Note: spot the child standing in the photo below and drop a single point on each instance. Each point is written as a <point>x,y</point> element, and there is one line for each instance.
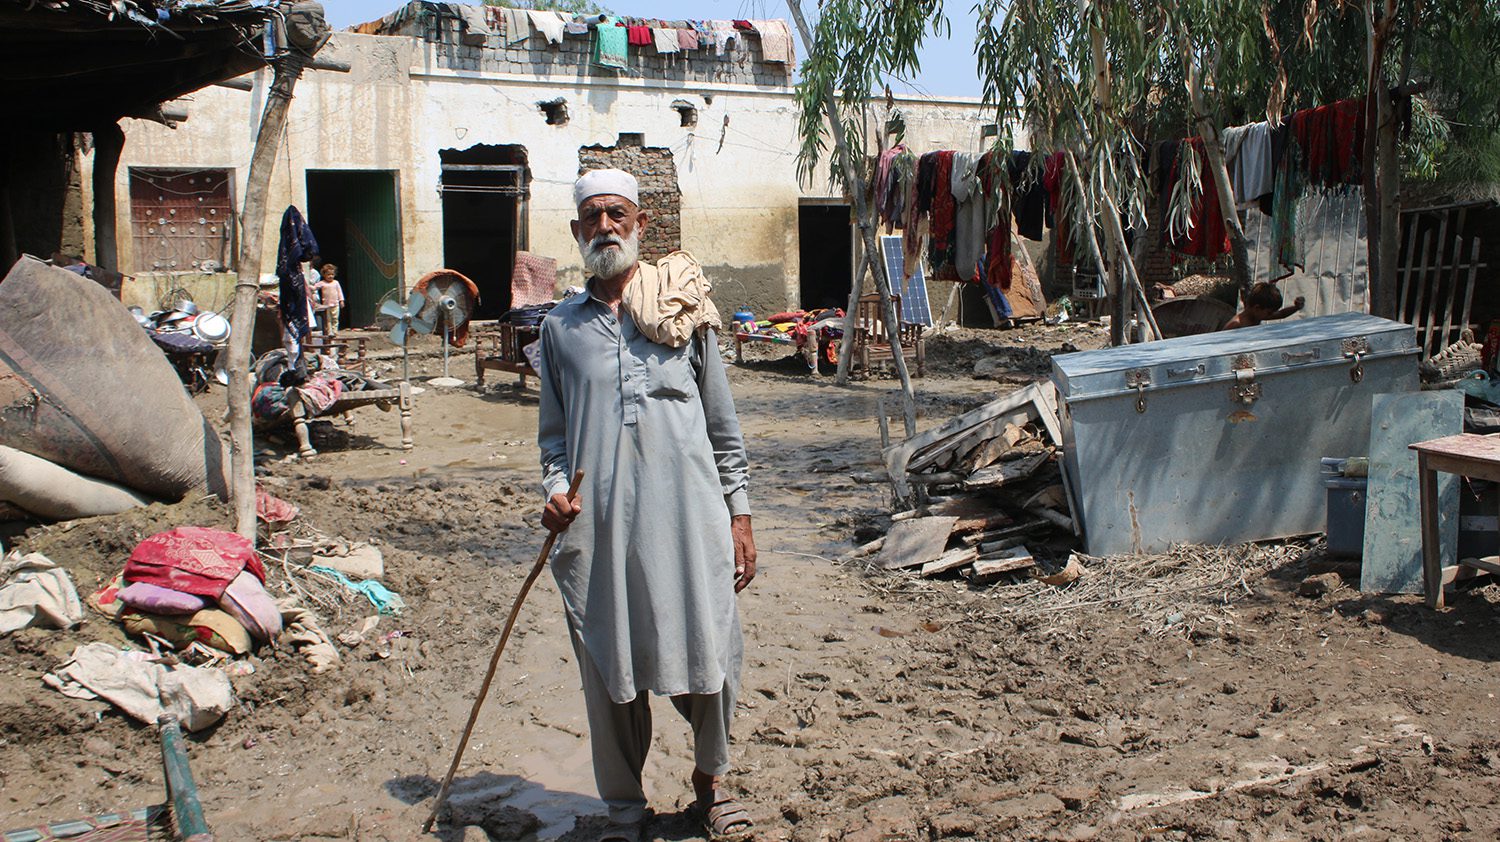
<point>330,298</point>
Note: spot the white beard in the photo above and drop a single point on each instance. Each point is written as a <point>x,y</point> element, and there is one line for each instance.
<point>600,261</point>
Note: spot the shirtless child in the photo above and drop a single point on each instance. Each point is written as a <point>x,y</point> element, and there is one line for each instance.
<point>1263,304</point>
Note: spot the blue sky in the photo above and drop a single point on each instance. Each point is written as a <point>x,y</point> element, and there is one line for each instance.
<point>948,67</point>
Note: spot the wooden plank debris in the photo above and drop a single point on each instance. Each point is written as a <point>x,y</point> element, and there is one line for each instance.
<point>1032,403</point>
<point>913,542</point>
<point>1008,561</point>
<point>1008,472</point>
<point>951,560</point>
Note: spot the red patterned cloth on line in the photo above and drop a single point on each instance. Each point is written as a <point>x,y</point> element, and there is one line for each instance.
<point>194,560</point>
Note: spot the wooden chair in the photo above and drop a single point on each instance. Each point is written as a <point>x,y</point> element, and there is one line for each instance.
<point>872,345</point>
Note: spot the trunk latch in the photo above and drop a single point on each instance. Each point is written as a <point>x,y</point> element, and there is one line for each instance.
<point>1245,390</point>
<point>1355,348</point>
<point>1138,379</point>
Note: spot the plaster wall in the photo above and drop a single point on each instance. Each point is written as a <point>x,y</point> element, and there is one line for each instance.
<point>400,105</point>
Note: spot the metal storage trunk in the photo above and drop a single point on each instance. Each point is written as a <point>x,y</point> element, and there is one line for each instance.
<point>1216,438</point>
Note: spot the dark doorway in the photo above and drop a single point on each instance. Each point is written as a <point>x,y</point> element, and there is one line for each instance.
<point>825,254</point>
<point>353,215</point>
<point>485,189</point>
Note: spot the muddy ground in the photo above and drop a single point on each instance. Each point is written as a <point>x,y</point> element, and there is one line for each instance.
<point>874,706</point>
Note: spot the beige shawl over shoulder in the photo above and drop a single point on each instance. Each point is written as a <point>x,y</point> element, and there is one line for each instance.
<point>669,301</point>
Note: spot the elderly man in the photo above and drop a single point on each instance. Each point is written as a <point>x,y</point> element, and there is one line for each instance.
<point>659,541</point>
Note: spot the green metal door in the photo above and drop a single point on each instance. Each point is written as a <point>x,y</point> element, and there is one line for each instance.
<point>354,215</point>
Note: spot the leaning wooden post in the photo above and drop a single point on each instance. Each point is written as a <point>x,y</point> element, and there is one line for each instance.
<point>109,142</point>
<point>287,69</point>
<point>854,183</point>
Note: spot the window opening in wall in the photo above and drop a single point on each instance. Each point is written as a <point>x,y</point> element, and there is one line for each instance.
<point>181,220</point>
<point>687,111</point>
<point>825,253</point>
<point>556,111</point>
<point>631,139</point>
<point>356,218</point>
<point>486,190</point>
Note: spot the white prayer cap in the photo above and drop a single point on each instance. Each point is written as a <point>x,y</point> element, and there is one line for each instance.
<point>606,183</point>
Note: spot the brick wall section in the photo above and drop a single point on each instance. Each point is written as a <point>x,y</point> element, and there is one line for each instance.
<point>743,65</point>
<point>654,168</point>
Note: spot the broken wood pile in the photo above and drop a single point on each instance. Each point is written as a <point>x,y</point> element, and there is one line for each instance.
<point>981,487</point>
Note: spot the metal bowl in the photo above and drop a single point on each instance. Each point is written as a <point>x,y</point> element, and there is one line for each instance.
<point>211,327</point>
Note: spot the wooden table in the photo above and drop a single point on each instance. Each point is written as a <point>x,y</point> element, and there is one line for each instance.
<point>1466,455</point>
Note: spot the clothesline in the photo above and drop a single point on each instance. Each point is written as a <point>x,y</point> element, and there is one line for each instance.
<point>1270,166</point>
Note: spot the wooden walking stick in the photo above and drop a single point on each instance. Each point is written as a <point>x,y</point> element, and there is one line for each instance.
<point>484,689</point>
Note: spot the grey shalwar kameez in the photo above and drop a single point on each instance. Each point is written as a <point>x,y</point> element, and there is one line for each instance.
<point>647,570</point>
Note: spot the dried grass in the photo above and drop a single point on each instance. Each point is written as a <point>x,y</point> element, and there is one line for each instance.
<point>1186,589</point>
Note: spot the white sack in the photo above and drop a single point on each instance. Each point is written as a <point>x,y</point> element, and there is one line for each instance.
<point>198,696</point>
<point>37,593</point>
<point>50,491</point>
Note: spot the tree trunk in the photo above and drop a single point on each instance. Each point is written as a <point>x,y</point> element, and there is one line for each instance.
<point>1218,168</point>
<point>1381,175</point>
<point>109,142</point>
<point>851,314</point>
<point>252,233</point>
<point>854,184</point>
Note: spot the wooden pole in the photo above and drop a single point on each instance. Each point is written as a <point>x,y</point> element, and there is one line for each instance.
<point>489,676</point>
<point>287,69</point>
<point>109,142</point>
<point>854,183</point>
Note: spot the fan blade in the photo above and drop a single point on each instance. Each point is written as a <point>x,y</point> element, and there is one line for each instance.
<point>415,302</point>
<point>392,309</point>
<point>398,333</point>
<point>423,326</point>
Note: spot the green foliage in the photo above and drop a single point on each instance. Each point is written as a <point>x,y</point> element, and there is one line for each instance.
<point>857,45</point>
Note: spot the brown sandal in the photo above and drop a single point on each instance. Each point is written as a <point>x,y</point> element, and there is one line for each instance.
<point>726,820</point>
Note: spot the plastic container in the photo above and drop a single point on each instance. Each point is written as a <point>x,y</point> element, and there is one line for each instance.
<point>1346,515</point>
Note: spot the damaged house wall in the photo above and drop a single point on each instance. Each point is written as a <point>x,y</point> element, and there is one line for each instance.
<point>728,130</point>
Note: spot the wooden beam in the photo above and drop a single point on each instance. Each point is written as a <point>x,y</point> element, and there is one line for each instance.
<point>109,142</point>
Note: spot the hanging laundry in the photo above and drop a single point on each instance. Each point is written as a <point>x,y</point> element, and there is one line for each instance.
<point>575,27</point>
<point>550,24</point>
<point>943,211</point>
<point>775,41</point>
<point>995,181</point>
<point>885,183</point>
<point>1289,181</point>
<point>912,216</point>
<point>723,35</point>
<point>1332,139</point>
<point>610,45</point>
<point>517,25</point>
<point>297,246</point>
<point>687,39</point>
<point>1247,153</point>
<point>665,40</point>
<point>476,25</point>
<point>638,36</point>
<point>1207,236</point>
<point>970,216</point>
<point>1028,196</point>
<point>1054,170</point>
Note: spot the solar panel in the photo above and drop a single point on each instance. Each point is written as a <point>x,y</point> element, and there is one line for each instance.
<point>913,290</point>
